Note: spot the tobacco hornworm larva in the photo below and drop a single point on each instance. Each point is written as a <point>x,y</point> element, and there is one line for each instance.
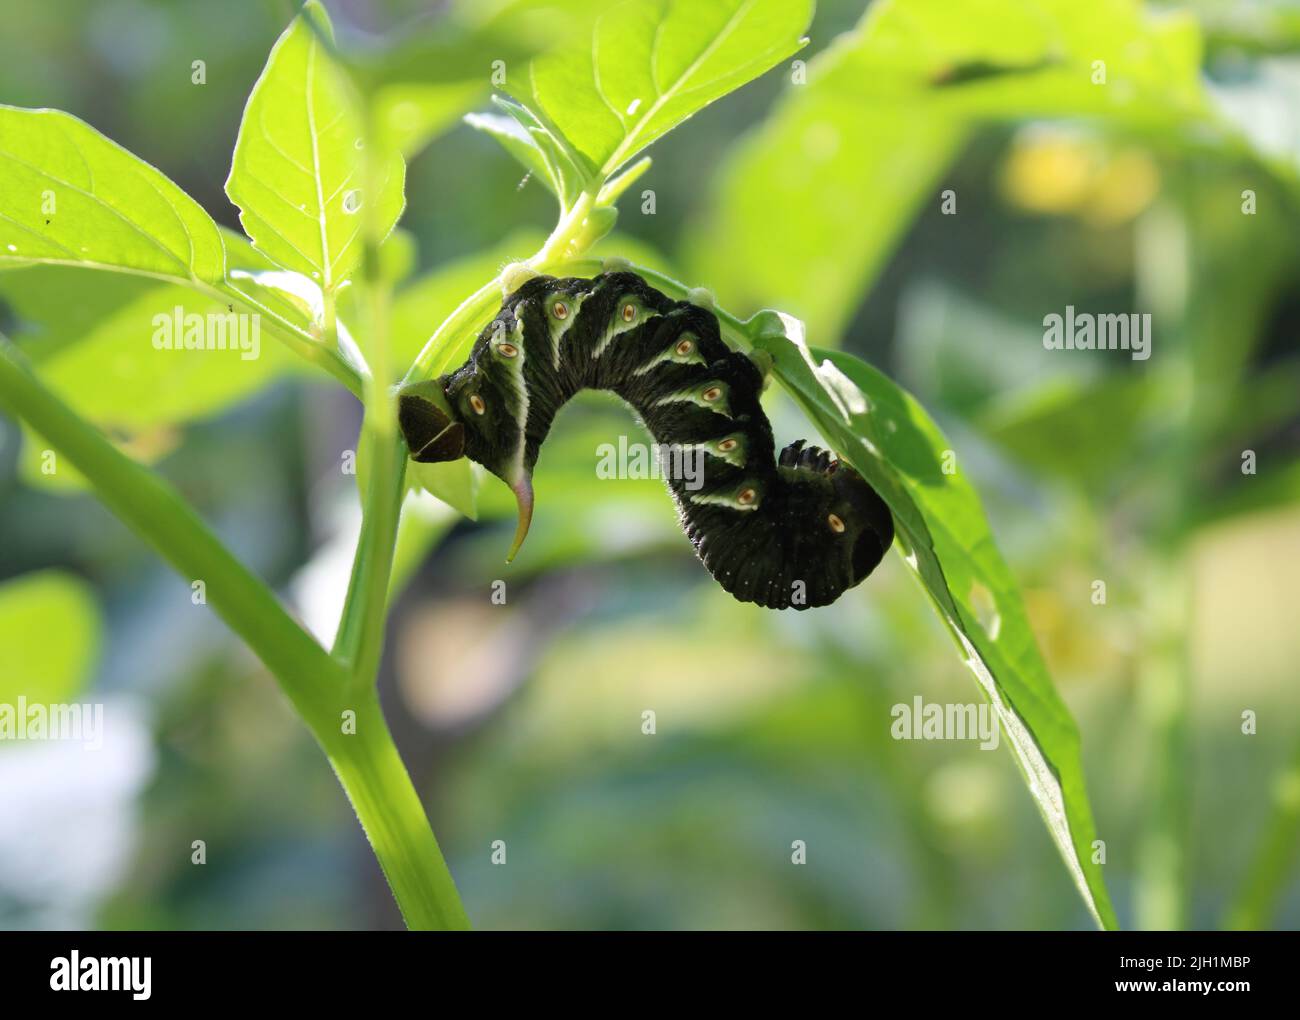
<point>794,530</point>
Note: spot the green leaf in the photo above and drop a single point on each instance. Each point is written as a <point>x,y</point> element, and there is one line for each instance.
<point>296,171</point>
<point>454,482</point>
<point>947,543</point>
<point>886,109</point>
<point>293,302</point>
<point>648,65</point>
<point>69,196</point>
<point>98,354</point>
<point>1031,58</point>
<point>49,637</point>
<point>118,365</point>
<point>564,171</point>
<point>516,140</point>
<point>461,40</point>
<point>775,233</point>
<point>521,136</point>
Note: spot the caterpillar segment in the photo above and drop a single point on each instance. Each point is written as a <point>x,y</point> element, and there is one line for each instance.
<point>790,530</point>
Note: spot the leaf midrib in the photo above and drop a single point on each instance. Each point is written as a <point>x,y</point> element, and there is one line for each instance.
<point>327,266</point>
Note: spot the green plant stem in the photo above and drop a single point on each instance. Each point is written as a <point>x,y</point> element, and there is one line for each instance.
<point>155,511</point>
<point>381,792</point>
<point>320,687</point>
<point>564,240</point>
<point>1164,693</point>
<point>359,642</point>
<point>366,760</point>
<point>302,344</point>
<point>563,249</point>
<point>360,639</point>
<point>388,807</point>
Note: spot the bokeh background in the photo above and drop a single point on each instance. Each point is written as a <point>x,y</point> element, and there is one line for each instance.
<point>523,722</point>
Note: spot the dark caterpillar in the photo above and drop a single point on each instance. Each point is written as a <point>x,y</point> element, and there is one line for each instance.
<point>794,530</point>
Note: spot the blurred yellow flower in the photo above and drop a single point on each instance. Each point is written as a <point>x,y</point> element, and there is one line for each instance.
<point>1063,174</point>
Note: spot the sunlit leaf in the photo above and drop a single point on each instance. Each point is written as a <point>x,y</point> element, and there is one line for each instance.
<point>529,143</point>
<point>811,205</point>
<point>70,196</point>
<point>947,542</point>
<point>126,366</point>
<point>117,355</point>
<point>442,65</point>
<point>454,482</point>
<point>1032,59</point>
<point>648,65</point>
<point>296,174</point>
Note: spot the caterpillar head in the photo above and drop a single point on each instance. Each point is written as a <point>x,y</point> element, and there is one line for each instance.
<point>478,413</point>
<point>433,434</point>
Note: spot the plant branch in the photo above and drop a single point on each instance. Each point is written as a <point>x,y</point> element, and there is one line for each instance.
<point>355,736</point>
<point>386,802</point>
<point>365,760</point>
<point>155,511</point>
<point>359,643</point>
<point>566,233</point>
<point>360,639</point>
<point>301,343</point>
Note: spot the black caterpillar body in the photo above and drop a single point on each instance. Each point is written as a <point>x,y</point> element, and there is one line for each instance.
<point>794,530</point>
